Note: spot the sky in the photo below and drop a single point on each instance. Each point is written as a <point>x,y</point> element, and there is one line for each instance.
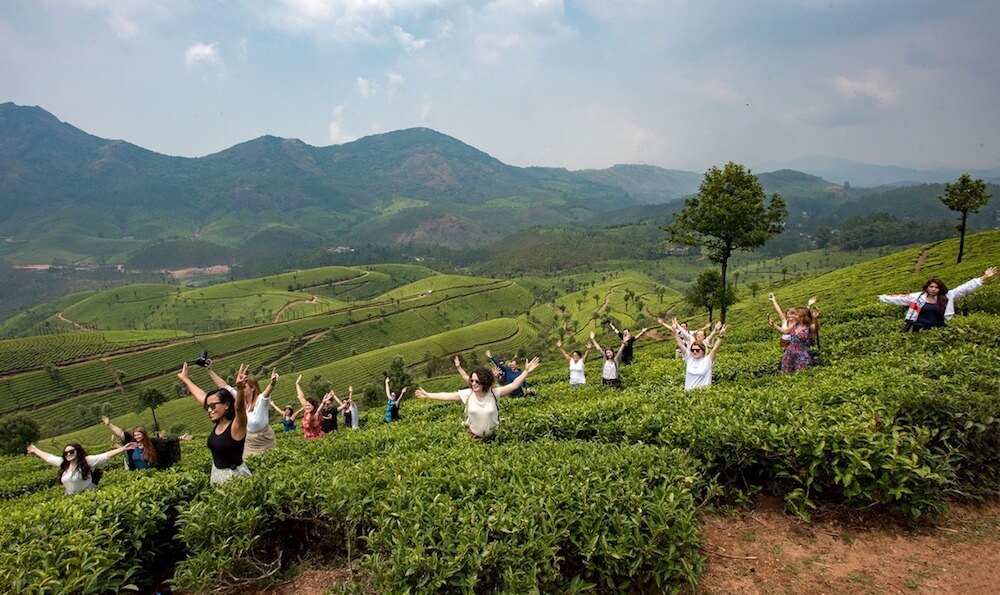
<point>565,83</point>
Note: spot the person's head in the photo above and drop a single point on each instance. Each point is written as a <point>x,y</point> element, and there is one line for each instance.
<point>699,335</point>
<point>576,355</point>
<point>609,354</point>
<point>289,411</point>
<point>393,396</point>
<point>73,454</point>
<point>802,316</point>
<point>626,334</point>
<point>512,364</point>
<point>220,405</point>
<point>312,405</point>
<point>698,350</point>
<point>937,288</point>
<point>250,389</point>
<point>684,325</point>
<point>140,435</point>
<point>789,313</point>
<point>481,380</point>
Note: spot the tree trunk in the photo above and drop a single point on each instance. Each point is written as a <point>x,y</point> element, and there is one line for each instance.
<point>156,424</point>
<point>710,315</point>
<point>961,237</point>
<point>722,308</point>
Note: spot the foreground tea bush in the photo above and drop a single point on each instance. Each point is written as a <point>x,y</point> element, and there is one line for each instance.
<point>552,516</point>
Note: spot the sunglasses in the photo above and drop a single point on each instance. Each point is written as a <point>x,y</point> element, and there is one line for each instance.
<point>697,351</point>
<point>474,380</point>
<point>212,406</point>
<point>70,451</point>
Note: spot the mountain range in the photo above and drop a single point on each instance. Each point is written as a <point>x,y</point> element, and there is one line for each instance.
<point>66,195</point>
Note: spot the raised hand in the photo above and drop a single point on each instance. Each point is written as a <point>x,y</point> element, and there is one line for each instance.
<point>131,446</point>
<point>531,365</point>
<point>183,374</point>
<point>489,354</point>
<point>723,329</point>
<point>989,274</point>
<point>298,381</point>
<point>770,296</point>
<point>420,393</point>
<point>274,376</point>
<point>458,361</point>
<point>812,301</point>
<point>105,420</point>
<point>241,375</point>
<point>185,437</point>
<point>559,341</point>
<point>593,335</point>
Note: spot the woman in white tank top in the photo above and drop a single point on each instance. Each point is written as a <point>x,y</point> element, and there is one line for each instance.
<point>577,361</point>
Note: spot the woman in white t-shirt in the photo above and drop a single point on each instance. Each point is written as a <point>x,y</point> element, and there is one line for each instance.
<point>698,358</point>
<point>481,399</point>
<point>577,361</point>
<point>76,468</point>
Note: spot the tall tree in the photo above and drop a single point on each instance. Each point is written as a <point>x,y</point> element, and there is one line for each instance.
<point>151,398</point>
<point>706,292</point>
<point>966,196</point>
<point>728,214</point>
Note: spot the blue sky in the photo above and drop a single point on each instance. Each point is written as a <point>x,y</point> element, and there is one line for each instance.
<point>570,83</point>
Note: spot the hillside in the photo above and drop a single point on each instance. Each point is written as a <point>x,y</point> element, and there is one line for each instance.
<point>582,488</point>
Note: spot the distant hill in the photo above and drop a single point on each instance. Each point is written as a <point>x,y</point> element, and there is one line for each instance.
<point>66,194</point>
<point>869,175</point>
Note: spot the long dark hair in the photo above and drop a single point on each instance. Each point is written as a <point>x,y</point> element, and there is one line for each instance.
<point>148,450</point>
<point>224,397</point>
<point>942,296</point>
<point>81,462</point>
<point>485,377</point>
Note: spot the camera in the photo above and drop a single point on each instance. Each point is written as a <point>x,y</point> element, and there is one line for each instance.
<point>203,360</point>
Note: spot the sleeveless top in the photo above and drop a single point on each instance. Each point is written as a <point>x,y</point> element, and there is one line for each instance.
<point>288,423</point>
<point>576,375</point>
<point>227,452</point>
<point>312,426</point>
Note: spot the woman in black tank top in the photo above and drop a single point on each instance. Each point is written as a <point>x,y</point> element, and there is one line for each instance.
<point>228,413</point>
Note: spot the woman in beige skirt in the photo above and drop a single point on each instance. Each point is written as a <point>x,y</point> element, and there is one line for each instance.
<point>260,436</point>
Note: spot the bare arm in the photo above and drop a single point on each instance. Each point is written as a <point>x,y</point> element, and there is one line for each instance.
<point>781,328</point>
<point>114,429</point>
<point>640,333</point>
<point>238,427</point>
<point>461,371</point>
<point>399,399</point>
<point>563,351</point>
<point>193,388</point>
<point>597,346</point>
<point>219,381</point>
<point>715,348</point>
<point>422,394</point>
<point>48,457</point>
<point>276,408</point>
<point>674,329</point>
<point>266,393</point>
<point>506,389</point>
<point>299,393</point>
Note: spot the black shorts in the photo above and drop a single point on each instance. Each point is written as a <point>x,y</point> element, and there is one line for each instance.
<point>612,382</point>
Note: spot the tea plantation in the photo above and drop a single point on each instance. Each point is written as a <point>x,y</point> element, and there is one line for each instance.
<point>582,489</point>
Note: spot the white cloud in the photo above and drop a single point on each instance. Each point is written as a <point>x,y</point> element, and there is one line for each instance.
<point>872,83</point>
<point>336,129</point>
<point>409,42</point>
<point>394,82</point>
<point>425,113</point>
<point>342,20</point>
<point>366,87</point>
<point>202,53</point>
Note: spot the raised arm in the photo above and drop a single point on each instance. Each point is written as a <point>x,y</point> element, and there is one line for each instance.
<point>219,381</point>
<point>266,393</point>
<point>238,427</point>
<point>513,385</point>
<point>193,388</point>
<point>715,331</point>
<point>422,394</point>
<point>461,371</point>
<point>299,393</point>
<point>781,328</point>
<point>593,339</point>
<point>618,354</point>
<point>715,348</point>
<point>898,299</point>
<point>114,429</point>
<point>276,408</point>
<point>614,328</point>
<point>98,460</point>
<point>641,333</point>
<point>777,308</point>
<point>973,284</point>
<point>48,457</point>
<point>675,331</point>
<point>399,397</point>
<point>563,351</point>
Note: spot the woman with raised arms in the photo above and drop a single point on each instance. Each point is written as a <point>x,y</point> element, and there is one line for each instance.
<point>612,358</point>
<point>260,436</point>
<point>312,418</point>
<point>577,362</point>
<point>76,467</point>
<point>152,452</point>
<point>934,305</point>
<point>481,399</point>
<point>698,358</point>
<point>228,412</point>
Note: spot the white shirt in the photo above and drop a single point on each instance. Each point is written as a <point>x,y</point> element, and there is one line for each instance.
<point>481,416</point>
<point>73,479</point>
<point>576,375</point>
<point>610,371</point>
<point>257,418</point>
<point>699,371</point>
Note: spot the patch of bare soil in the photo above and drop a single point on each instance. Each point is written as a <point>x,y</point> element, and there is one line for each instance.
<point>768,551</point>
<point>317,581</point>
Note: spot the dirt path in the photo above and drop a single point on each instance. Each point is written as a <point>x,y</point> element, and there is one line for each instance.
<point>76,324</point>
<point>771,552</point>
<point>277,317</point>
<point>920,261</point>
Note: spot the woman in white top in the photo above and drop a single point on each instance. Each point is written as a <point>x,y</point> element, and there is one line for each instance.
<point>934,305</point>
<point>612,359</point>
<point>260,436</point>
<point>76,468</point>
<point>481,399</point>
<point>349,408</point>
<point>577,361</point>
<point>698,358</point>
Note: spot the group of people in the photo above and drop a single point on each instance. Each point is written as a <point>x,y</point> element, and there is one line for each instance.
<point>240,414</point>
